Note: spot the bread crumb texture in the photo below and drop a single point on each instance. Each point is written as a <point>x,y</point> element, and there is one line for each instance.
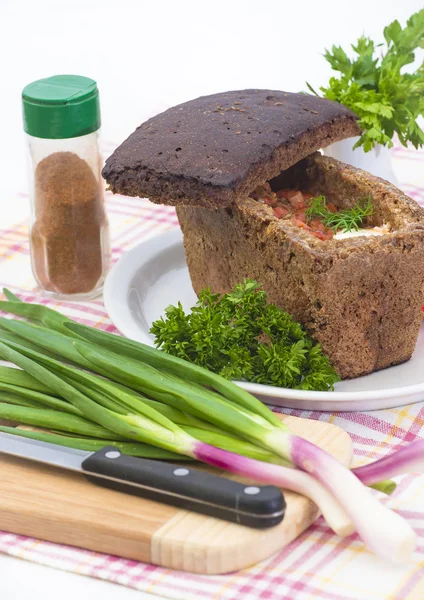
<point>216,149</point>
<point>359,297</point>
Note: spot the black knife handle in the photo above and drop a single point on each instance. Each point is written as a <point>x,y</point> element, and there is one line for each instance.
<point>188,488</point>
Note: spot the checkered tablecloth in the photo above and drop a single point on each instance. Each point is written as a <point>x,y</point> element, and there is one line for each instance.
<point>316,565</point>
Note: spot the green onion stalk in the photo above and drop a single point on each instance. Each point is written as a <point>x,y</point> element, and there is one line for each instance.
<point>158,430</point>
<point>91,445</point>
<point>109,395</point>
<point>153,428</point>
<point>339,481</point>
<point>372,474</point>
<point>225,406</point>
<point>410,458</point>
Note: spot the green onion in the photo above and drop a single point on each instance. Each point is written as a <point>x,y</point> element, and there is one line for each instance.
<point>381,529</point>
<point>142,352</point>
<point>53,419</point>
<point>387,486</point>
<point>129,448</point>
<point>11,296</point>
<point>116,397</point>
<point>51,343</point>
<point>129,348</point>
<point>123,346</point>
<point>21,379</point>
<point>170,437</point>
<point>410,459</point>
<point>36,399</point>
<point>150,381</point>
<point>340,482</point>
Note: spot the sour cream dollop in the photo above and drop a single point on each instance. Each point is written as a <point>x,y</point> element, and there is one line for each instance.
<point>383,230</point>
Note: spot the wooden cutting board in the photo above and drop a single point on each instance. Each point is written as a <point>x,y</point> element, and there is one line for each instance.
<point>54,505</point>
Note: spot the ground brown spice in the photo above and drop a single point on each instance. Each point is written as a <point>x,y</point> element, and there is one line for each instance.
<point>70,221</point>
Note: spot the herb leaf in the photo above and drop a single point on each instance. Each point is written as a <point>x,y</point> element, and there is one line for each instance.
<point>345,220</point>
<point>375,85</point>
<point>240,336</point>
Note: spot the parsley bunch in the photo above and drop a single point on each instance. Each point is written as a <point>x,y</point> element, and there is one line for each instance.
<point>376,86</point>
<point>345,220</point>
<point>240,336</point>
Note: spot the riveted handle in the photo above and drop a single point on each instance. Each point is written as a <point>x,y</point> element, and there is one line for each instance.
<point>187,487</point>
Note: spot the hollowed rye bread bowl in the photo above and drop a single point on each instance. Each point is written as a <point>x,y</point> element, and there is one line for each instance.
<point>361,297</point>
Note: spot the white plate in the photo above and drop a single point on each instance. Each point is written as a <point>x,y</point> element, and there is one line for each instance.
<point>154,274</point>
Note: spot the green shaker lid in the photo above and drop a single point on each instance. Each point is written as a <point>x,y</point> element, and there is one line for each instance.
<point>62,106</point>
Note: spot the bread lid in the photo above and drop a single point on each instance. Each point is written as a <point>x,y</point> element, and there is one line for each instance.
<point>216,149</point>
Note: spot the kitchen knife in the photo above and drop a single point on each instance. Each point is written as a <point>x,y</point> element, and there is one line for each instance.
<point>182,486</point>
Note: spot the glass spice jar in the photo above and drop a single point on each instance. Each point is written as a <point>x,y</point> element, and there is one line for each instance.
<point>69,232</point>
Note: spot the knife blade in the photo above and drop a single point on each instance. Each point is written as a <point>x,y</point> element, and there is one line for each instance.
<point>183,486</point>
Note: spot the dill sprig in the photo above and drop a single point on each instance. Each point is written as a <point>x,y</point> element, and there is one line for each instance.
<point>345,220</point>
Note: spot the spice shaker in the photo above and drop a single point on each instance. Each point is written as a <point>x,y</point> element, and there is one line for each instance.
<point>69,233</point>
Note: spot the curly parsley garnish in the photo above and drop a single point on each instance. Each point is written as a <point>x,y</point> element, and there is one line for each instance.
<point>240,336</point>
<point>345,220</point>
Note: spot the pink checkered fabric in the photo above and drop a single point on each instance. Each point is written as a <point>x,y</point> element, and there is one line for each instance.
<point>318,564</point>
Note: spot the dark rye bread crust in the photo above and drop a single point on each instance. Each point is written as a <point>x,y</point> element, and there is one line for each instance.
<point>360,297</point>
<point>216,149</point>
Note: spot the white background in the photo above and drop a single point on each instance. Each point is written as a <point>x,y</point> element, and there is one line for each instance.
<point>147,56</point>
